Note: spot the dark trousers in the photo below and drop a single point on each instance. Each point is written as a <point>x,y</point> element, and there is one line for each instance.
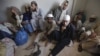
<point>59,46</point>
<point>78,34</point>
<point>55,35</point>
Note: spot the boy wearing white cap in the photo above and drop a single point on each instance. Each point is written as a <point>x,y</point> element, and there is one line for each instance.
<point>50,24</point>
<point>63,37</point>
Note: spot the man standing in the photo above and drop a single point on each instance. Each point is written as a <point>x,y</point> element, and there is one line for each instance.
<point>50,24</point>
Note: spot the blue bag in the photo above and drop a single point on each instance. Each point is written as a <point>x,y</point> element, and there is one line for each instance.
<point>21,37</point>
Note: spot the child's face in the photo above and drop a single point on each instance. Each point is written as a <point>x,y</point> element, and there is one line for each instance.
<point>79,17</point>
<point>65,23</point>
<point>65,6</point>
<point>27,9</point>
<point>49,20</point>
<point>13,11</point>
<point>33,7</point>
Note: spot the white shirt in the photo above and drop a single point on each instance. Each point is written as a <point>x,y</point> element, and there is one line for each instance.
<point>62,16</point>
<point>79,24</point>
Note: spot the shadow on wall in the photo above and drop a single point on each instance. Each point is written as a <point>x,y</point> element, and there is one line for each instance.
<point>55,5</point>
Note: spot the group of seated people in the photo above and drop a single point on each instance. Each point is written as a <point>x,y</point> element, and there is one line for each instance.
<point>57,25</point>
<point>32,21</point>
<point>87,31</point>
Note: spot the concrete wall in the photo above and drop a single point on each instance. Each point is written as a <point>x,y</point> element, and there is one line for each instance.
<point>79,4</point>
<point>45,5</point>
<point>93,7</point>
<point>90,7</point>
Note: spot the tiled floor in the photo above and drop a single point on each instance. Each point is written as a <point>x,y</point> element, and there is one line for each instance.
<point>67,51</point>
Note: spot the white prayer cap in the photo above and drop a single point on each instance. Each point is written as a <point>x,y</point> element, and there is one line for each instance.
<point>88,33</point>
<point>93,16</point>
<point>67,17</point>
<point>83,28</point>
<point>50,15</point>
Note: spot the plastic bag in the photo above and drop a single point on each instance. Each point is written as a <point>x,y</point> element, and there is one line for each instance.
<point>10,46</point>
<point>21,37</point>
<point>2,49</point>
